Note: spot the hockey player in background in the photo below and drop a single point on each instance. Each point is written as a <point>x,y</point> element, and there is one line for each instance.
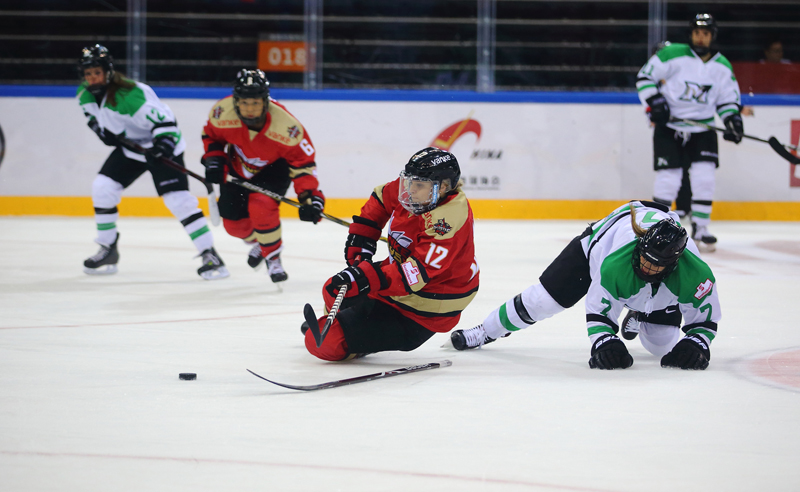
<point>115,106</point>
<point>429,277</point>
<point>690,81</point>
<point>254,138</point>
<point>637,257</point>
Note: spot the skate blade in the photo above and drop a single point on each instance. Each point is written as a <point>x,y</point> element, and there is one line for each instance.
<point>216,274</point>
<point>102,270</point>
<point>448,344</point>
<point>705,247</point>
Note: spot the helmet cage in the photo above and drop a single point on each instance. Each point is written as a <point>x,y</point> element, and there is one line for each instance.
<point>411,196</point>
<point>251,84</point>
<point>662,245</point>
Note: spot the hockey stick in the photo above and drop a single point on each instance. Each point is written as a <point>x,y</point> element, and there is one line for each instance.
<point>311,318</point>
<point>361,379</point>
<point>213,209</point>
<point>2,146</point>
<point>280,198</point>
<point>780,148</point>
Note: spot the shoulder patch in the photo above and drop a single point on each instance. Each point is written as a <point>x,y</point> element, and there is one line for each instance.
<point>222,115</point>
<point>284,127</point>
<point>672,51</point>
<point>444,221</point>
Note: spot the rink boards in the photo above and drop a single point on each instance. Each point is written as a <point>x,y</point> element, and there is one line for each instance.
<point>527,155</point>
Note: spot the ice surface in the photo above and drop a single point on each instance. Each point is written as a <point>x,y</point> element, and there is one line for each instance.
<point>90,398</point>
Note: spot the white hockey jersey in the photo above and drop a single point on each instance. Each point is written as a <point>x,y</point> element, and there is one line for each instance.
<point>138,114</point>
<point>694,89</point>
<point>609,248</point>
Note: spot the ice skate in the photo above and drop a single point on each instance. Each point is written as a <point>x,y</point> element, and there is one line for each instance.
<point>275,269</point>
<point>213,267</point>
<point>703,239</point>
<point>630,325</point>
<point>469,339</point>
<point>104,262</point>
<point>254,258</point>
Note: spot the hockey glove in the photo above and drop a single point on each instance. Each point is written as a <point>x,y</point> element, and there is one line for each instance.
<point>608,352</point>
<point>312,203</point>
<point>734,128</point>
<point>215,167</point>
<point>108,138</point>
<point>163,147</point>
<point>362,242</point>
<point>691,352</point>
<point>360,279</point>
<point>659,109</point>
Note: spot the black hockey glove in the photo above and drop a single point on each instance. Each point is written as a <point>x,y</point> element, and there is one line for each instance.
<point>691,352</point>
<point>358,279</point>
<point>215,168</point>
<point>362,242</point>
<point>608,352</point>
<point>108,138</point>
<point>734,128</point>
<point>659,109</point>
<point>163,146</point>
<point>312,203</point>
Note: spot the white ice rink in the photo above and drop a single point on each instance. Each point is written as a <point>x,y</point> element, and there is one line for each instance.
<point>90,398</point>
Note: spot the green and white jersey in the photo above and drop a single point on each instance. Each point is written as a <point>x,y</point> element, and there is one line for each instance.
<point>691,286</point>
<point>138,115</point>
<point>694,89</point>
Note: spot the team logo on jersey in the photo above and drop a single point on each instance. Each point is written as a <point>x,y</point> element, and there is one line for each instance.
<point>703,289</point>
<point>441,227</point>
<point>250,165</point>
<point>399,246</point>
<point>217,112</point>
<point>695,92</point>
<point>293,131</point>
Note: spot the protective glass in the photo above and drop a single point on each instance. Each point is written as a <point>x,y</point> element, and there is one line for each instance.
<point>418,195</point>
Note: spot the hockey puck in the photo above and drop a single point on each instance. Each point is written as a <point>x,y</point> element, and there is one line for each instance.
<point>187,376</point>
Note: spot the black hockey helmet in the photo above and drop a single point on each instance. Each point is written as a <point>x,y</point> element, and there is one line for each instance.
<point>704,21</point>
<point>661,245</point>
<point>436,166</point>
<point>251,84</point>
<point>96,56</point>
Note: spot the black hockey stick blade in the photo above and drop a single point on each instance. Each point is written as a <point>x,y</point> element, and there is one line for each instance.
<point>783,151</point>
<point>360,379</point>
<point>313,325</point>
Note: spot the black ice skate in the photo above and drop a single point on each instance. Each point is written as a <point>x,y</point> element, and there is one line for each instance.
<point>630,325</point>
<point>254,258</point>
<point>703,239</point>
<point>104,262</point>
<point>213,267</point>
<point>470,338</point>
<point>275,269</point>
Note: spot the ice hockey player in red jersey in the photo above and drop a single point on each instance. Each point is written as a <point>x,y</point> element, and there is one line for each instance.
<point>429,277</point>
<point>254,138</point>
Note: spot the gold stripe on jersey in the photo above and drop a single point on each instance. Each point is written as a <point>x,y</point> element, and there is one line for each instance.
<point>223,115</point>
<point>296,172</point>
<point>378,192</point>
<point>445,220</point>
<point>430,306</point>
<point>413,274</point>
<point>283,127</point>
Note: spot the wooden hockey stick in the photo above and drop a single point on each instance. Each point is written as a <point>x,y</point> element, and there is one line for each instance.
<point>280,198</point>
<point>780,148</point>
<point>311,318</point>
<point>213,209</point>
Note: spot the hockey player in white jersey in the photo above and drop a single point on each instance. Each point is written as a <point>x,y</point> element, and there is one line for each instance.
<point>115,106</point>
<point>637,257</point>
<point>694,82</point>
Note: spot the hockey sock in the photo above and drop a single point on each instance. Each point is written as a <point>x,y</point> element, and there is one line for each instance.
<point>106,219</point>
<point>703,184</point>
<point>184,207</point>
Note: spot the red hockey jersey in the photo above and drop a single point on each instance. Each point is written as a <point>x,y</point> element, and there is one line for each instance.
<point>283,137</point>
<point>431,268</point>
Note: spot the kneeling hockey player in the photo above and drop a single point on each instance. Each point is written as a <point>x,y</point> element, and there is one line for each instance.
<point>429,277</point>
<point>116,106</point>
<point>254,138</point>
<point>638,257</point>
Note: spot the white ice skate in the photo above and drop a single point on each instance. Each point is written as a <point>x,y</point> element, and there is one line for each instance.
<point>213,267</point>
